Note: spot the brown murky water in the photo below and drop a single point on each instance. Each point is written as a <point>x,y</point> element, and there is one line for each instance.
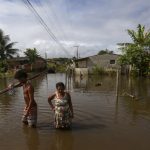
<point>101,122</point>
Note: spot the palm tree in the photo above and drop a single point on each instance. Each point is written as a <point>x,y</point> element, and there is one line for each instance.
<point>6,48</point>
<point>139,38</point>
<point>32,55</point>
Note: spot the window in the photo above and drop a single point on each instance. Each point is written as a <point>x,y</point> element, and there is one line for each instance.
<point>112,61</point>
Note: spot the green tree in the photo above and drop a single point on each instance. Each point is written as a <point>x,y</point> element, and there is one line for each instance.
<point>140,37</point>
<point>137,53</point>
<point>101,52</point>
<point>32,54</point>
<point>6,49</point>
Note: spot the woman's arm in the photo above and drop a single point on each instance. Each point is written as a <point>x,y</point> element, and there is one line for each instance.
<point>50,98</point>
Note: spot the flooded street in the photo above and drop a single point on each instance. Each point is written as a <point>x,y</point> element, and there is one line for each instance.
<point>101,120</point>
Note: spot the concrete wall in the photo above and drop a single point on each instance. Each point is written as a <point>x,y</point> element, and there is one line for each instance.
<point>82,64</point>
<point>81,71</point>
<point>104,61</point>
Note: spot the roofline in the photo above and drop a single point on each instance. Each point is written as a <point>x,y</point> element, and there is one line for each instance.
<point>95,55</point>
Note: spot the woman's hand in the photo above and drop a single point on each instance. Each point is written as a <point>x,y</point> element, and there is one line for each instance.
<point>53,108</point>
<point>11,89</point>
<point>10,86</point>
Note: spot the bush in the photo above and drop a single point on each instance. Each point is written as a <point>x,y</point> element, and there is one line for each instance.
<point>98,70</point>
<point>111,72</point>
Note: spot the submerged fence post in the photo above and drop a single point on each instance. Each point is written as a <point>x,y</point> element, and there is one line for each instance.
<point>68,79</point>
<point>117,83</point>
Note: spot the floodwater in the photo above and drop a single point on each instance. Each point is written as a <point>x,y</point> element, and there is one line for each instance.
<point>102,121</point>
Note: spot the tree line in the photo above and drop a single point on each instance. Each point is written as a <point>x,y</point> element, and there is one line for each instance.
<point>7,51</point>
<point>136,54</point>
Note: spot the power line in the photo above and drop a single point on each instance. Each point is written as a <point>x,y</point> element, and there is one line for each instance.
<point>41,9</point>
<point>56,19</point>
<point>42,22</point>
<point>55,24</point>
<point>29,5</point>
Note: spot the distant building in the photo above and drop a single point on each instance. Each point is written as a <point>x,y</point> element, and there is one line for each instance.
<point>105,61</point>
<point>24,63</point>
<point>18,61</point>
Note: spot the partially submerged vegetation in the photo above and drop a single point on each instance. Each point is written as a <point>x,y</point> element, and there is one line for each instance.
<point>58,64</point>
<point>102,71</point>
<point>137,53</point>
<point>7,74</point>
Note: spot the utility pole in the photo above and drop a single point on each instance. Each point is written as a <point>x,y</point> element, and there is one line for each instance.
<point>46,58</point>
<point>45,55</point>
<point>77,53</point>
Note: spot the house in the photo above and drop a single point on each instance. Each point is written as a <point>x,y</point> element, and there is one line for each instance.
<point>24,63</point>
<point>18,61</point>
<point>105,61</point>
<point>39,64</point>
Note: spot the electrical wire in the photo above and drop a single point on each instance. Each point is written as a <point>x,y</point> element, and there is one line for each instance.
<point>57,26</point>
<point>42,22</point>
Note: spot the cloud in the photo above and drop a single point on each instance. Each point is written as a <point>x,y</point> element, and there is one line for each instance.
<point>93,25</point>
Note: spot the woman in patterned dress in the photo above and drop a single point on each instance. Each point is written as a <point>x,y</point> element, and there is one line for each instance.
<point>62,107</point>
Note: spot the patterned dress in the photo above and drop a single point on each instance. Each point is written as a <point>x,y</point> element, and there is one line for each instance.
<point>62,112</point>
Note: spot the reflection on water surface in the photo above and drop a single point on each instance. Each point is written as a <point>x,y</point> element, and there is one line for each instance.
<point>101,120</point>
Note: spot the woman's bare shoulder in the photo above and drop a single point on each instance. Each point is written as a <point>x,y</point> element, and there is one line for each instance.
<point>52,95</point>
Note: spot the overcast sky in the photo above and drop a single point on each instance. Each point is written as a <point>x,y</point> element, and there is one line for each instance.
<point>93,25</point>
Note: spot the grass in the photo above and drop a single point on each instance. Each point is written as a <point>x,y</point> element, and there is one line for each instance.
<point>101,71</point>
<point>8,74</point>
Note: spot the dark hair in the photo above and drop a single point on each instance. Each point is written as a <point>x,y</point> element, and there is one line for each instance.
<point>60,84</point>
<point>20,74</point>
